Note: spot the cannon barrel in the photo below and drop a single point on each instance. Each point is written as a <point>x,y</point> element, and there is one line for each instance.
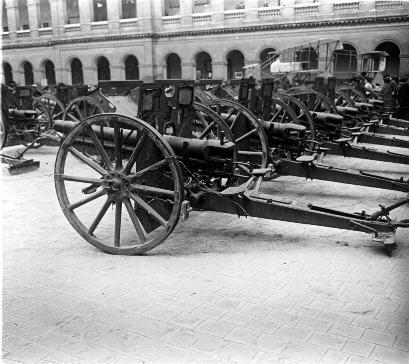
<point>282,129</point>
<point>347,110</point>
<point>326,118</point>
<point>207,150</point>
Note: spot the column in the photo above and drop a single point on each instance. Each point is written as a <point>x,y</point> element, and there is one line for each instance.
<point>33,7</point>
<point>113,13</point>
<point>12,18</point>
<point>251,7</point>
<point>117,72</point>
<point>86,10</point>
<point>144,15</point>
<point>186,11</point>
<point>403,64</point>
<point>58,16</point>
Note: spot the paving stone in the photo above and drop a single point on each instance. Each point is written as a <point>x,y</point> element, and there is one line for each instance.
<point>208,343</point>
<point>216,328</point>
<point>401,343</point>
<point>390,356</point>
<point>294,332</point>
<point>11,343</point>
<point>242,335</point>
<point>187,320</point>
<point>237,318</point>
<point>256,310</point>
<point>57,357</point>
<point>304,352</point>
<point>328,340</point>
<point>358,348</point>
<point>315,323</point>
<point>182,337</point>
<point>397,329</point>
<point>347,330</point>
<point>369,323</point>
<point>264,325</point>
<point>270,342</point>
<point>236,353</point>
<point>155,329</point>
<point>53,339</point>
<point>284,316</point>
<point>334,357</point>
<point>209,312</point>
<point>29,353</point>
<point>378,337</point>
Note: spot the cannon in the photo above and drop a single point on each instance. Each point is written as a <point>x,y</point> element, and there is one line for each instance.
<point>172,156</point>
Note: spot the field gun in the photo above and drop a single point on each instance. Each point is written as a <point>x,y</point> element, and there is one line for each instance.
<point>152,172</point>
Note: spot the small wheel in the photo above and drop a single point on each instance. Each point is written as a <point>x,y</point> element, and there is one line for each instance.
<point>43,116</point>
<point>82,107</point>
<point>4,129</point>
<point>55,107</point>
<point>247,130</point>
<point>120,186</point>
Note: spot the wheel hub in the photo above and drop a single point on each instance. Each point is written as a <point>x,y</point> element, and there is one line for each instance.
<point>116,182</point>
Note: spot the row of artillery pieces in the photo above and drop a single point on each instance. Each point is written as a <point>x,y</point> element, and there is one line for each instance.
<point>135,157</point>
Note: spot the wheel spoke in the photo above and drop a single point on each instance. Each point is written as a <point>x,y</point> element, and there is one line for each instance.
<point>82,179</point>
<point>100,215</point>
<point>275,115</point>
<point>153,190</point>
<point>88,161</point>
<point>251,132</point>
<point>117,146</point>
<point>149,209</point>
<point>79,113</point>
<point>118,216</point>
<point>73,117</point>
<point>100,148</point>
<point>152,167</point>
<point>248,152</point>
<point>236,119</point>
<point>135,221</point>
<point>207,129</point>
<point>86,200</point>
<point>134,154</point>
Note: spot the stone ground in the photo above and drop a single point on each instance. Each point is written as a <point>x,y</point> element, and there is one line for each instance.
<point>219,290</point>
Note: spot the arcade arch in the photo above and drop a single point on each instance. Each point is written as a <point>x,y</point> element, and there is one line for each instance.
<point>203,66</point>
<point>235,64</point>
<point>131,68</point>
<point>8,72</point>
<point>173,66</point>
<point>77,75</point>
<point>103,69</point>
<point>392,61</point>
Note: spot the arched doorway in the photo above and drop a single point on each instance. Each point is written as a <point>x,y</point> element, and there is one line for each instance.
<point>392,62</point>
<point>28,73</point>
<point>104,72</point>
<point>203,66</point>
<point>50,73</point>
<point>345,62</point>
<point>8,72</point>
<point>265,66</point>
<point>173,67</point>
<point>235,64</point>
<point>77,76</point>
<point>131,68</point>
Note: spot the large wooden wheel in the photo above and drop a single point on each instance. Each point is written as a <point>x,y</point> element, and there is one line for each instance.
<point>82,107</point>
<point>248,131</point>
<point>302,113</point>
<point>55,107</point>
<point>43,117</point>
<point>120,186</point>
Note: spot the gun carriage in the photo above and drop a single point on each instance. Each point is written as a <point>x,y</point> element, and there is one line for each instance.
<point>166,154</point>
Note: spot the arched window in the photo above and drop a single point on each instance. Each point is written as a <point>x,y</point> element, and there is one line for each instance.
<point>50,73</point>
<point>104,72</point>
<point>392,61</point>
<point>128,9</point>
<point>8,72</point>
<point>73,12</point>
<point>77,76</point>
<point>4,18</point>
<point>23,15</point>
<point>173,67</point>
<point>45,14</point>
<point>203,66</point>
<point>235,64</point>
<point>100,10</point>
<point>265,66</point>
<point>131,68</point>
<point>345,64</point>
<point>28,73</point>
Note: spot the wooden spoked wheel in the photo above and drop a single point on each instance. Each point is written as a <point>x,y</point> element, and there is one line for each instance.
<point>43,117</point>
<point>247,130</point>
<point>120,186</point>
<point>342,99</point>
<point>302,113</point>
<point>82,107</point>
<point>55,107</point>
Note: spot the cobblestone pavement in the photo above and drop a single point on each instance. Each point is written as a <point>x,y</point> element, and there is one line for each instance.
<point>219,290</point>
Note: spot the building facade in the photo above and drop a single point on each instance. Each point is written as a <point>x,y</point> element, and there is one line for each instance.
<point>83,41</point>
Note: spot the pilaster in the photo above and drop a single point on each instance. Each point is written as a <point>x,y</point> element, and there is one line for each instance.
<point>217,7</point>
<point>113,9</point>
<point>144,14</point>
<point>219,70</point>
<point>12,18</point>
<point>186,11</point>
<point>85,7</point>
<point>33,7</point>
<point>90,75</point>
<point>251,7</point>
<point>156,14</point>
<point>187,71</point>
<point>58,15</point>
<point>117,73</point>
<point>404,65</point>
